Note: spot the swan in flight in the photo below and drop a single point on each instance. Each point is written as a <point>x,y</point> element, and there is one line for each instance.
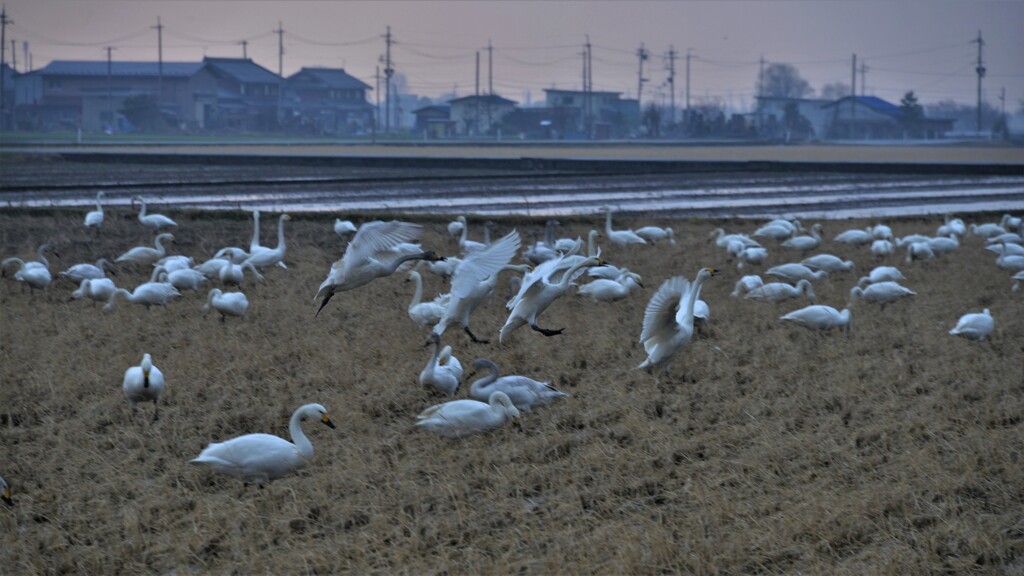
<point>144,255</point>
<point>474,279</point>
<point>828,263</point>
<point>425,313</point>
<point>779,291</point>
<point>35,274</point>
<point>80,272</point>
<point>5,493</point>
<point>227,303</point>
<point>668,318</point>
<point>152,221</point>
<point>148,294</point>
<point>805,243</point>
<point>882,274</point>
<point>441,376</point>
<point>538,291</point>
<point>746,284</point>
<point>460,418</point>
<point>267,257</point>
<point>975,326</point>
<point>619,237</point>
<point>260,458</point>
<point>880,292</point>
<point>795,272</point>
<point>525,393</point>
<point>654,234</point>
<point>344,228</point>
<point>369,256</point>
<point>144,383</point>
<point>855,237</point>
<point>94,219</point>
<point>820,318</point>
<point>97,289</point>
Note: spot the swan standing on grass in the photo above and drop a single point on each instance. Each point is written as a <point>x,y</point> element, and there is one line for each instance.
<point>668,319</point>
<point>779,291</point>
<point>952,226</point>
<point>254,243</point>
<point>94,219</point>
<point>944,244</point>
<point>230,273</point>
<point>144,383</point>
<point>880,292</point>
<point>919,251</point>
<point>541,252</point>
<point>746,284</point>
<point>828,263</point>
<point>538,292</point>
<point>654,234</point>
<point>182,279</point>
<point>751,255</point>
<point>987,230</point>
<point>369,256</point>
<point>805,243</point>
<point>425,313</point>
<point>795,272</point>
<point>460,418</point>
<point>35,274</point>
<point>266,257</point>
<point>525,393</point>
<point>80,272</point>
<point>619,237</point>
<point>5,493</point>
<point>148,294</point>
<point>227,303</point>
<point>144,255</point>
<point>975,326</point>
<point>442,377</point>
<point>855,237</point>
<point>467,246</point>
<point>882,248</point>
<point>233,254</point>
<point>97,289</point>
<point>722,239</point>
<point>260,458</point>
<point>474,280</point>
<point>882,274</point>
<point>776,231</point>
<point>820,318</point>
<point>152,221</point>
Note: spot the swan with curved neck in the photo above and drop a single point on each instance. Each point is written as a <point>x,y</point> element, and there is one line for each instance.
<point>424,313</point>
<point>820,318</point>
<point>35,274</point>
<point>268,257</point>
<point>261,458</point>
<point>779,291</point>
<point>525,393</point>
<point>880,292</point>
<point>460,418</point>
<point>96,289</point>
<point>234,274</point>
<point>538,292</point>
<point>437,375</point>
<point>152,221</point>
<point>94,218</point>
<point>619,237</point>
<point>79,272</point>
<point>144,255</point>
<point>805,243</point>
<point>668,319</point>
<point>227,303</point>
<point>144,383</point>
<point>148,294</point>
<point>254,243</point>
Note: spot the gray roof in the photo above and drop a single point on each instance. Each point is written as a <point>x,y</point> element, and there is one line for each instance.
<point>120,69</point>
<point>485,98</point>
<point>243,69</point>
<point>331,77</point>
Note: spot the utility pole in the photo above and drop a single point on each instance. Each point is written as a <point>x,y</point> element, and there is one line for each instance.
<point>245,49</point>
<point>280,69</point>
<point>760,95</point>
<point>642,55</point>
<point>980,69</point>
<point>160,61</point>
<point>110,99</point>
<point>490,67</point>
<point>3,43</point>
<point>672,83</point>
<point>14,55</point>
<point>853,95</point>
<point>388,71</point>
<point>688,56</point>
<point>586,86</point>
<point>476,93</point>
<point>376,109</point>
<point>863,71</point>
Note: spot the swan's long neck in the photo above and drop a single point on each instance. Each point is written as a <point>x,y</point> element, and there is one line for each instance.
<point>403,259</point>
<point>255,242</point>
<point>142,212</point>
<point>156,273</point>
<point>486,380</point>
<point>567,277</point>
<point>434,355</point>
<point>465,231</point>
<point>608,222</point>
<point>113,296</point>
<point>160,245</point>
<point>99,207</point>
<point>299,437</point>
<point>694,294</point>
<point>591,249</point>
<point>487,235</point>
<point>280,234</point>
<point>549,235</point>
<point>419,291</point>
<point>42,256</point>
<point>213,294</point>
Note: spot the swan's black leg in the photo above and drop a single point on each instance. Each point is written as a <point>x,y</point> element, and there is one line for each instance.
<point>546,331</point>
<point>473,336</point>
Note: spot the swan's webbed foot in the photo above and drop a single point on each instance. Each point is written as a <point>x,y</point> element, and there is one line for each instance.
<point>474,338</point>
<point>546,331</point>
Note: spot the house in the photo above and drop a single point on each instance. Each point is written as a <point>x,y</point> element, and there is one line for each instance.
<point>434,121</point>
<point>7,98</point>
<point>770,115</point>
<point>582,111</point>
<point>479,115</point>
<point>870,117</point>
<point>234,94</point>
<point>71,94</point>
<point>327,101</point>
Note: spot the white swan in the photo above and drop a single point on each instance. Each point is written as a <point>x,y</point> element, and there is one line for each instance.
<point>474,280</point>
<point>444,378</point>
<point>234,254</point>
<point>5,493</point>
<point>540,252</point>
<point>1004,248</point>
<point>987,230</point>
<point>230,273</point>
<point>619,237</point>
<point>668,318</point>
<point>344,228</point>
<point>775,231</point>
<point>148,294</point>
<point>227,303</point>
<point>1010,222</point>
<point>805,243</point>
<point>722,239</point>
<point>855,237</point>
<point>779,291</point>
<point>152,221</point>
<point>80,272</point>
<point>1010,262</point>
<point>182,278</point>
<point>464,417</point>
<point>212,267</point>
<point>909,239</point>
<point>467,246</point>
<point>751,255</point>
<point>425,313</point>
<point>881,232</point>
<point>881,293</point>
<point>35,274</point>
<point>1017,279</point>
<point>369,256</point>
<point>944,244</point>
<point>952,226</point>
<point>882,274</point>
<point>820,318</point>
<point>882,248</point>
<point>266,258</point>
<point>746,284</point>
<point>795,272</point>
<point>525,393</point>
<point>919,251</point>
<point>455,228</point>
<point>654,234</point>
<point>260,458</point>
<point>144,383</point>
<point>447,359</point>
<point>975,326</point>
<point>828,263</point>
<point>176,262</point>
<point>604,290</point>
<point>94,219</point>
<point>97,289</point>
<point>1009,237</point>
<point>144,255</point>
<point>538,292</point>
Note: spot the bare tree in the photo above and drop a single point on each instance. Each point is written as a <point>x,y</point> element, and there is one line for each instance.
<point>783,81</point>
<point>835,91</point>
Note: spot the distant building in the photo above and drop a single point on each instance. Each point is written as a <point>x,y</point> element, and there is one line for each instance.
<point>593,113</point>
<point>234,94</point>
<point>434,121</point>
<point>479,115</point>
<point>327,101</point>
<point>8,95</point>
<point>771,112</point>
<point>870,117</point>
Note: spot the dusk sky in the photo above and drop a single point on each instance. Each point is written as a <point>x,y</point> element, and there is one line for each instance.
<point>925,46</point>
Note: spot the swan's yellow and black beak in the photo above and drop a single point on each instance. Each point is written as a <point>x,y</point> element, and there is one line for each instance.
<point>145,378</point>
<point>7,497</point>
<point>517,424</point>
<point>713,271</point>
<point>326,420</point>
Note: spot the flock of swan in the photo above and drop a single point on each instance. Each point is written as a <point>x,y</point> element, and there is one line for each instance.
<point>550,269</point>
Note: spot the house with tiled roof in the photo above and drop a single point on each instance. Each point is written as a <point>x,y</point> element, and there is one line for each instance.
<point>479,115</point>
<point>234,94</point>
<point>327,101</point>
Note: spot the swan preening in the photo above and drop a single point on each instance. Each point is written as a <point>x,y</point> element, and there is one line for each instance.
<point>5,493</point>
<point>369,256</point>
<point>144,383</point>
<point>443,371</point>
<point>94,219</point>
<point>227,303</point>
<point>260,458</point>
<point>98,289</point>
<point>525,393</point>
<point>35,274</point>
<point>974,326</point>
<point>668,319</point>
<point>460,418</point>
<point>152,221</point>
<point>820,318</point>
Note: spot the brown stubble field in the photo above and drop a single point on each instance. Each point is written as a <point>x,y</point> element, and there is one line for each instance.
<point>766,449</point>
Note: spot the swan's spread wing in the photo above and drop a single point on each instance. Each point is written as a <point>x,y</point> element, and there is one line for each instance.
<point>661,315</point>
<point>534,281</point>
<point>376,238</point>
<point>483,264</point>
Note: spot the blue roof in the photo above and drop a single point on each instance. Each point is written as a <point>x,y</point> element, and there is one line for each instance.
<point>120,69</point>
<point>873,102</point>
<point>332,77</point>
<point>243,69</point>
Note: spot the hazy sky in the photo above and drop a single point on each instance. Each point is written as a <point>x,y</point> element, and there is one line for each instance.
<point>921,45</point>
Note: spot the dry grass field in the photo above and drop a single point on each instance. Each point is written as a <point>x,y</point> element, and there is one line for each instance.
<point>766,449</point>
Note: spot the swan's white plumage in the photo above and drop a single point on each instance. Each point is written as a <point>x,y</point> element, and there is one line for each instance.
<point>793,273</point>
<point>881,292</point>
<point>425,313</point>
<point>98,289</point>
<point>79,272</point>
<point>144,383</point>
<point>975,326</point>
<point>526,393</point>
<point>94,219</point>
<point>153,221</point>
<point>779,291</point>
<point>144,255</point>
<point>441,376</point>
<point>668,318</point>
<point>464,417</point>
<point>819,317</point>
<point>227,303</point>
